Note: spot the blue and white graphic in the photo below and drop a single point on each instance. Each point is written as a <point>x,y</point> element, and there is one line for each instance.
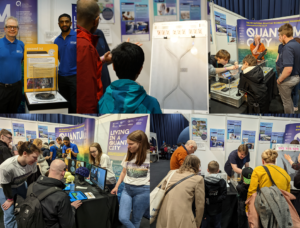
<point>217,138</point>
<point>221,25</point>
<point>18,130</point>
<point>248,138</point>
<point>234,128</point>
<point>276,138</point>
<point>190,10</point>
<point>265,132</point>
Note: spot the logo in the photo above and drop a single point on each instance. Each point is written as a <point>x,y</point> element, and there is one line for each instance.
<point>72,42</point>
<point>18,3</point>
<point>51,52</point>
<point>6,13</point>
<point>19,51</point>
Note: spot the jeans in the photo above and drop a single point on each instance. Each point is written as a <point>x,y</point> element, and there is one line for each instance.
<point>215,218</point>
<point>295,95</point>
<point>137,199</point>
<point>8,215</point>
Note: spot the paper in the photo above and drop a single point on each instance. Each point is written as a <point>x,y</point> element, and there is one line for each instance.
<point>199,132</point>
<point>221,25</point>
<point>231,35</point>
<point>190,10</point>
<point>43,131</point>
<point>276,138</point>
<point>217,139</point>
<point>89,195</point>
<point>265,133</point>
<point>79,187</point>
<point>234,128</point>
<point>106,29</point>
<point>248,138</point>
<point>165,10</point>
<point>30,135</point>
<point>18,130</point>
<point>107,14</point>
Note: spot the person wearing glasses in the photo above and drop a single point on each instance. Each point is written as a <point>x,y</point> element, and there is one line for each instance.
<point>180,154</point>
<point>5,145</point>
<point>11,58</point>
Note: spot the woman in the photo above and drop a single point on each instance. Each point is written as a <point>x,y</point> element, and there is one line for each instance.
<point>295,165</point>
<point>43,164</point>
<point>136,176</point>
<point>176,209</point>
<point>102,160</point>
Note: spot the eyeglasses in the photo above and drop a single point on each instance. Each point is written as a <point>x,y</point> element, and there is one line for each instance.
<point>12,27</point>
<point>10,138</point>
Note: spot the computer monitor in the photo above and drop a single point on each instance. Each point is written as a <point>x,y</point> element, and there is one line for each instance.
<point>98,176</point>
<point>74,164</point>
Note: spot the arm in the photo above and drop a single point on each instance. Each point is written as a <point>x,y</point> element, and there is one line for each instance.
<point>253,186</point>
<point>277,58</point>
<point>7,191</point>
<point>51,154</point>
<point>288,63</point>
<point>213,70</point>
<point>223,191</point>
<point>254,51</point>
<point>121,178</point>
<point>74,154</point>
<point>199,201</point>
<point>235,168</point>
<point>181,157</point>
<point>285,73</point>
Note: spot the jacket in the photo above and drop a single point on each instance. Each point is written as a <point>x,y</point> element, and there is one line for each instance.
<point>57,209</point>
<point>89,67</point>
<point>242,189</point>
<point>127,96</point>
<point>45,150</point>
<point>5,152</point>
<point>43,164</point>
<point>178,158</point>
<point>297,185</point>
<point>215,193</point>
<point>176,208</point>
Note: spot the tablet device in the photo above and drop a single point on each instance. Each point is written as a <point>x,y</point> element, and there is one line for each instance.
<point>67,188</point>
<point>226,74</point>
<point>262,54</point>
<point>77,195</point>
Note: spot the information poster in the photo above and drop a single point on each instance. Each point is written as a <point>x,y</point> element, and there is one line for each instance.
<point>199,132</point>
<point>231,34</point>
<point>30,135</point>
<point>26,13</point>
<point>189,10</point>
<point>107,14</point>
<point>265,133</point>
<point>51,136</point>
<point>135,20</point>
<point>211,36</point>
<point>221,25</point>
<point>165,10</point>
<point>217,138</point>
<point>248,138</point>
<point>18,130</point>
<point>43,132</point>
<point>292,132</point>
<point>276,138</point>
<point>234,129</point>
<point>74,17</point>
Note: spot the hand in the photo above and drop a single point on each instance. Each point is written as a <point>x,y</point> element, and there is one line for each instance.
<point>231,68</point>
<point>114,191</point>
<point>107,57</point>
<point>136,43</point>
<point>76,204</point>
<point>288,157</point>
<point>7,204</point>
<point>299,158</point>
<point>278,82</point>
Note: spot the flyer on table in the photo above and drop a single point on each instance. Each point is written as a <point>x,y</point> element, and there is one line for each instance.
<point>30,135</point>
<point>234,128</point>
<point>221,25</point>
<point>248,138</point>
<point>135,20</point>
<point>217,137</point>
<point>165,10</point>
<point>199,132</point>
<point>189,10</point>
<point>265,132</point>
<point>231,34</point>
<point>276,138</point>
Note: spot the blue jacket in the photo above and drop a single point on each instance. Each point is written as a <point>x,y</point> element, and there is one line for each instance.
<point>126,96</point>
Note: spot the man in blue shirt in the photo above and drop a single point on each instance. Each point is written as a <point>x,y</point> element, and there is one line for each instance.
<point>52,151</point>
<point>290,67</point>
<point>11,58</point>
<point>68,145</point>
<point>67,54</point>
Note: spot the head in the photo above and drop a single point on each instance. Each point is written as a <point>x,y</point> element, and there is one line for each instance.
<point>19,144</point>
<point>57,169</point>
<point>29,152</point>
<point>269,156</point>
<point>257,39</point>
<point>297,39</point>
<point>295,142</point>
<point>38,143</point>
<point>137,146</point>
<point>223,57</point>
<point>59,140</point>
<point>246,173</point>
<point>128,60</point>
<point>11,27</point>
<point>191,163</point>
<point>249,60</point>
<point>243,151</point>
<point>52,143</point>
<point>95,154</point>
<point>64,22</point>
<point>213,167</point>
<point>285,33</point>
<point>88,14</point>
<point>5,136</point>
<point>191,146</point>
<point>67,141</point>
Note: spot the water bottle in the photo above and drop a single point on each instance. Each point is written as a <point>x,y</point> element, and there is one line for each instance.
<point>72,187</point>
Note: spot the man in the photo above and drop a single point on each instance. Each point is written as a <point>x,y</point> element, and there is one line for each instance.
<point>257,47</point>
<point>67,52</point>
<point>68,145</point>
<point>58,211</point>
<point>13,173</point>
<point>179,155</point>
<point>5,146</point>
<point>52,151</point>
<point>59,142</point>
<point>290,67</point>
<point>11,59</point>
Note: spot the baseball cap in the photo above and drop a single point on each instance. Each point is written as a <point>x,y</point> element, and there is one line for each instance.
<point>247,172</point>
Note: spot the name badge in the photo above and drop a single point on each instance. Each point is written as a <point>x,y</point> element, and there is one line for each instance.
<point>19,51</point>
<point>72,42</point>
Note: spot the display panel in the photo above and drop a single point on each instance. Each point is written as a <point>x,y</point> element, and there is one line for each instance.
<point>74,164</point>
<point>98,176</point>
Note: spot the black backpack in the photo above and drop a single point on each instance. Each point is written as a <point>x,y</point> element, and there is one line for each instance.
<point>29,212</point>
<point>58,152</point>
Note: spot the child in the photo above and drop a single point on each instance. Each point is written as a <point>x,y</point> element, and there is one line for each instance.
<point>215,193</point>
<point>125,95</point>
<point>242,189</point>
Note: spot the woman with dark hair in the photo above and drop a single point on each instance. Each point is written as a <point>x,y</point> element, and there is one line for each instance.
<point>136,176</point>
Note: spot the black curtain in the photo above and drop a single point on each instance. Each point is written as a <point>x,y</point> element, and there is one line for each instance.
<point>167,127</point>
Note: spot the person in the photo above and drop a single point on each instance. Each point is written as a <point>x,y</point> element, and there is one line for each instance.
<point>236,160</point>
<point>295,92</point>
<point>19,144</point>
<point>53,149</point>
<point>260,178</point>
<point>59,142</point>
<point>217,62</point>
<point>98,158</point>
<point>135,196</point>
<point>290,69</point>
<point>252,82</point>
<point>295,165</point>
<point>45,150</point>
<point>297,185</point>
<point>42,161</point>
<point>278,61</point>
<point>72,148</point>
<point>215,193</point>
<point>242,189</point>
<point>5,146</point>
<point>177,211</point>
<point>67,52</point>
<point>13,173</point>
<point>12,52</point>
<point>58,211</point>
<point>180,154</point>
<point>127,16</point>
<point>162,9</point>
<point>257,47</point>
<point>126,95</point>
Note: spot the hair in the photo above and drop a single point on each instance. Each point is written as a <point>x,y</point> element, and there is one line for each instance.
<point>223,54</point>
<point>141,154</point>
<point>11,18</point>
<point>297,39</point>
<point>59,139</point>
<point>295,142</point>
<point>251,60</point>
<point>37,142</point>
<point>66,139</point>
<point>64,15</point>
<point>52,142</point>
<point>19,144</point>
<point>213,167</point>
<point>286,29</point>
<point>5,132</point>
<point>243,148</point>
<point>128,60</point>
<point>29,148</point>
<point>191,163</point>
<point>256,36</point>
<point>92,160</point>
<point>45,143</point>
<point>191,142</point>
<point>269,156</point>
<point>87,11</point>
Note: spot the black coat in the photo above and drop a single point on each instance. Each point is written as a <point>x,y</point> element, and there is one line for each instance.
<point>297,185</point>
<point>5,152</point>
<point>242,189</point>
<point>45,151</point>
<point>57,209</point>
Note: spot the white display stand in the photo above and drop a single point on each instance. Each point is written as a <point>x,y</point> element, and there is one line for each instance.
<point>179,66</point>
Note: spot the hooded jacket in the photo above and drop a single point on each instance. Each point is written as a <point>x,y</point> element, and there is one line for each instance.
<point>5,152</point>
<point>45,150</point>
<point>127,96</point>
<point>215,193</point>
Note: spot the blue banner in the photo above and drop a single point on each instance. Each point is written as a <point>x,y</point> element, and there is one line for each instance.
<point>74,17</point>
<point>292,132</point>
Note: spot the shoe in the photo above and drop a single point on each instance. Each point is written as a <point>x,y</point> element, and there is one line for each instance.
<point>296,109</point>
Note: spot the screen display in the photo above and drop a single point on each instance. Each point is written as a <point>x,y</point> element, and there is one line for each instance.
<point>78,196</point>
<point>226,74</point>
<point>74,164</point>
<point>98,176</point>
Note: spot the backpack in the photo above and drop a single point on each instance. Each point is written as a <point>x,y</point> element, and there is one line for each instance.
<point>29,212</point>
<point>58,152</point>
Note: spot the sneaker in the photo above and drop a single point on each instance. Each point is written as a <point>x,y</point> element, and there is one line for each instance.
<point>296,109</point>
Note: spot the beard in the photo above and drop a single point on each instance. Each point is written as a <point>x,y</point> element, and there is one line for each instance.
<point>65,29</point>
